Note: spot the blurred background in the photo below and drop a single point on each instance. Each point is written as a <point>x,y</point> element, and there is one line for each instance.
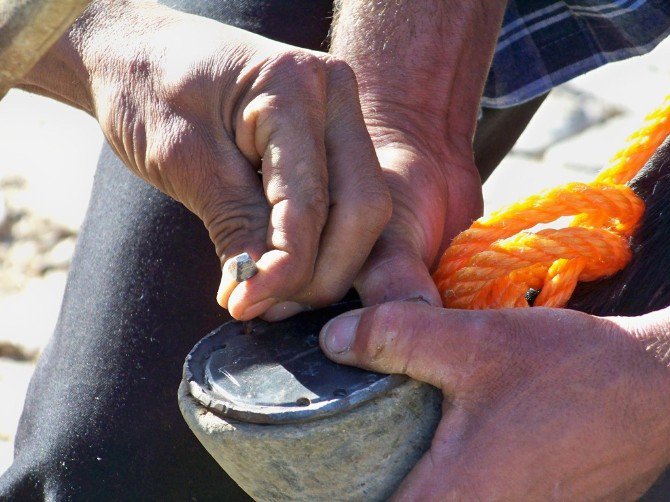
<point>48,154</point>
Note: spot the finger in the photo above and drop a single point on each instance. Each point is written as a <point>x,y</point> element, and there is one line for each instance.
<point>236,218</point>
<point>454,350</point>
<point>360,204</point>
<point>398,267</point>
<point>216,183</point>
<point>287,122</point>
<point>395,272</point>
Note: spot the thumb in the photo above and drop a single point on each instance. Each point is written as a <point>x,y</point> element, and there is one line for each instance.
<point>455,350</point>
<point>393,273</point>
<point>231,203</point>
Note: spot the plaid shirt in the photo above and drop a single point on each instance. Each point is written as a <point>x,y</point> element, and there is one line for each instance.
<point>544,43</point>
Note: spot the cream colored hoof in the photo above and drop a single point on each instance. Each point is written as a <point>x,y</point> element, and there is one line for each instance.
<point>361,454</point>
<point>288,424</point>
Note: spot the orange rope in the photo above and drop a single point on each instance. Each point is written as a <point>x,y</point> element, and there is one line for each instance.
<point>498,260</point>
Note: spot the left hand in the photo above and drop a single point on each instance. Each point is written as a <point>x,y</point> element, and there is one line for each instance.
<point>421,67</point>
<point>199,109</point>
<point>436,193</point>
<point>539,403</point>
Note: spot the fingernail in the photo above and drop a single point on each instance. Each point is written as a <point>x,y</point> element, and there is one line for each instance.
<point>339,333</point>
<point>283,310</point>
<point>257,309</point>
<point>418,299</point>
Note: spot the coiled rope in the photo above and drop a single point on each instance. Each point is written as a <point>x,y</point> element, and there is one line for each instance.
<point>499,259</point>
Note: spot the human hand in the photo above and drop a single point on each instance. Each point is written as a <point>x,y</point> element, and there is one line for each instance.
<point>539,403</point>
<point>196,108</point>
<point>436,193</point>
<point>421,68</point>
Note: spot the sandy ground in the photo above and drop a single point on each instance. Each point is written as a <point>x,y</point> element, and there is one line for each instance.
<point>48,154</point>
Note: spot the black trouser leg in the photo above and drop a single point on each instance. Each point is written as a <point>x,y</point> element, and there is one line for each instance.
<point>101,419</point>
<point>498,130</point>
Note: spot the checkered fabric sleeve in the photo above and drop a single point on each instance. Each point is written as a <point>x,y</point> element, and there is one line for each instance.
<point>545,43</point>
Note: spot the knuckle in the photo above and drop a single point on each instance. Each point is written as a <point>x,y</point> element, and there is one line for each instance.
<point>280,111</point>
<point>267,112</point>
<point>378,332</point>
<point>183,90</point>
<point>194,85</point>
<point>340,73</point>
<point>343,97</point>
<point>306,206</point>
<point>304,72</point>
<point>234,221</point>
<point>315,203</point>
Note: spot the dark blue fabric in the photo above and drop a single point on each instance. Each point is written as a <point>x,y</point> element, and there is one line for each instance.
<point>544,43</point>
<point>101,420</point>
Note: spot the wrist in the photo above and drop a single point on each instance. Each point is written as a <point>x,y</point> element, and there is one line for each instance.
<point>105,29</point>
<point>428,57</point>
<point>60,73</point>
<point>392,123</point>
<point>447,159</point>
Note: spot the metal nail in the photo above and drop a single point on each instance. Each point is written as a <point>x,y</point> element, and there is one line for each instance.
<point>241,267</point>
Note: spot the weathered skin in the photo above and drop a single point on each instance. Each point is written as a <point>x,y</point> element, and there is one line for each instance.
<point>643,285</point>
<point>546,404</point>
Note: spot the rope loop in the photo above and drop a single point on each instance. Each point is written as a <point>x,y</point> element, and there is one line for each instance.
<point>501,258</point>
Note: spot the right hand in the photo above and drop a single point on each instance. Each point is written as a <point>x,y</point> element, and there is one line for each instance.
<point>540,403</point>
<point>197,108</point>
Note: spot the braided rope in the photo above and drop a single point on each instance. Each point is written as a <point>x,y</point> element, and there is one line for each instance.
<point>498,260</point>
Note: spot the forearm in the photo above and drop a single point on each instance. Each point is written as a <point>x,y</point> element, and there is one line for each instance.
<point>421,67</point>
<point>64,72</point>
<point>425,60</point>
